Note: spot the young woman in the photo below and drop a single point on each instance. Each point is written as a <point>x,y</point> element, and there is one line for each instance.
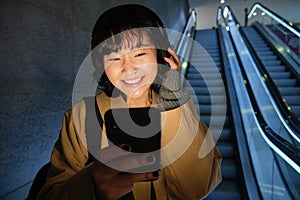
<point>131,48</point>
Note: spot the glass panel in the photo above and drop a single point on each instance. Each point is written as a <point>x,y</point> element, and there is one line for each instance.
<point>292,178</point>
<point>282,29</point>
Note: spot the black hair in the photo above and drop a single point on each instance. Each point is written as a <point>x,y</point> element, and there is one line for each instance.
<point>117,27</point>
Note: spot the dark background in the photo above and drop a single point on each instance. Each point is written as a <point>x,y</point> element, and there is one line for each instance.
<point>43,44</point>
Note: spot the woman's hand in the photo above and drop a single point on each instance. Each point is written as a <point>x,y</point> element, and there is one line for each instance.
<point>171,94</point>
<point>173,61</point>
<point>110,183</point>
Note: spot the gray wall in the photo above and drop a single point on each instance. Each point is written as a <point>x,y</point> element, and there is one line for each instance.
<point>42,45</point>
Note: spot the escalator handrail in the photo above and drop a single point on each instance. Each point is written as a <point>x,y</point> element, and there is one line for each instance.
<point>191,19</point>
<point>292,28</point>
<point>182,45</point>
<point>287,117</point>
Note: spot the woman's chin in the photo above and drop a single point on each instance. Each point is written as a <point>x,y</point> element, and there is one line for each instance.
<point>137,93</point>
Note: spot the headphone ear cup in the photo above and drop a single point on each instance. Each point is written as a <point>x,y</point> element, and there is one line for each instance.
<point>164,66</point>
<point>167,54</point>
<point>161,55</point>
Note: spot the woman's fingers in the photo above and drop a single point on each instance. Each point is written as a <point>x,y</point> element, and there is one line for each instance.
<point>120,158</point>
<point>174,55</point>
<point>106,155</point>
<point>129,163</point>
<point>123,179</point>
<point>112,183</point>
<point>111,186</point>
<point>118,185</point>
<point>131,178</point>
<point>113,152</point>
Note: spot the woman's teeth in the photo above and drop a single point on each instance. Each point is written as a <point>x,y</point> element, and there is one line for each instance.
<point>132,81</point>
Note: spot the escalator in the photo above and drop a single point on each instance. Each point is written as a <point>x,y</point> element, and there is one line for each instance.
<point>258,162</point>
<point>268,137</point>
<point>200,74</point>
<point>283,77</point>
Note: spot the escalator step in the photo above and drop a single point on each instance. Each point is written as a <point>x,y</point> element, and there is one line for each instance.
<point>255,38</point>
<point>197,64</point>
<point>208,64</point>
<point>280,75</point>
<point>203,70</point>
<point>217,121</point>
<point>292,100</point>
<point>204,76</point>
<point>210,49</point>
<point>208,99</point>
<point>228,189</point>
<point>271,62</point>
<point>289,90</point>
<point>265,53</point>
<point>204,56</point>
<point>279,68</point>
<point>262,49</point>
<point>296,110</point>
<point>226,149</point>
<point>202,60</point>
<point>210,91</point>
<point>218,109</point>
<point>286,82</point>
<point>269,57</point>
<point>225,133</point>
<point>260,45</point>
<point>205,83</point>
<point>229,169</point>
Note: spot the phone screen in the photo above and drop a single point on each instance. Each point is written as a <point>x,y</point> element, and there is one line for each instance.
<point>140,128</point>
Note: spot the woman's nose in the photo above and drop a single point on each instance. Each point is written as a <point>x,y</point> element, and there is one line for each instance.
<point>128,65</point>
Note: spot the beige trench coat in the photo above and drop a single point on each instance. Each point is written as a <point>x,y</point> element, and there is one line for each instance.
<point>187,177</point>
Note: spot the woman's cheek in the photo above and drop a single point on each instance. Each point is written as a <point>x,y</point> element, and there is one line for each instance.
<point>151,70</point>
<point>111,76</point>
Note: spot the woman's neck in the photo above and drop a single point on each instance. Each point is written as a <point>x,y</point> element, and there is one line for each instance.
<point>143,101</point>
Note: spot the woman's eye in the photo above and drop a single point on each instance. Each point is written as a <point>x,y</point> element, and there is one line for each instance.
<point>139,54</point>
<point>114,59</point>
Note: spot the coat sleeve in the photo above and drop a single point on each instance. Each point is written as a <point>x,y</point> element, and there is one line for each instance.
<point>68,176</point>
<point>192,176</point>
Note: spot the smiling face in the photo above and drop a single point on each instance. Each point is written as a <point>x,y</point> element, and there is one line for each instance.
<point>133,70</point>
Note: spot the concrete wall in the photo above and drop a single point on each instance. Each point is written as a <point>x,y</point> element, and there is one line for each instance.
<point>42,45</point>
<point>207,10</point>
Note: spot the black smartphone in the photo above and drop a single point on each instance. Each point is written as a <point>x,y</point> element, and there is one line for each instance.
<point>140,128</point>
